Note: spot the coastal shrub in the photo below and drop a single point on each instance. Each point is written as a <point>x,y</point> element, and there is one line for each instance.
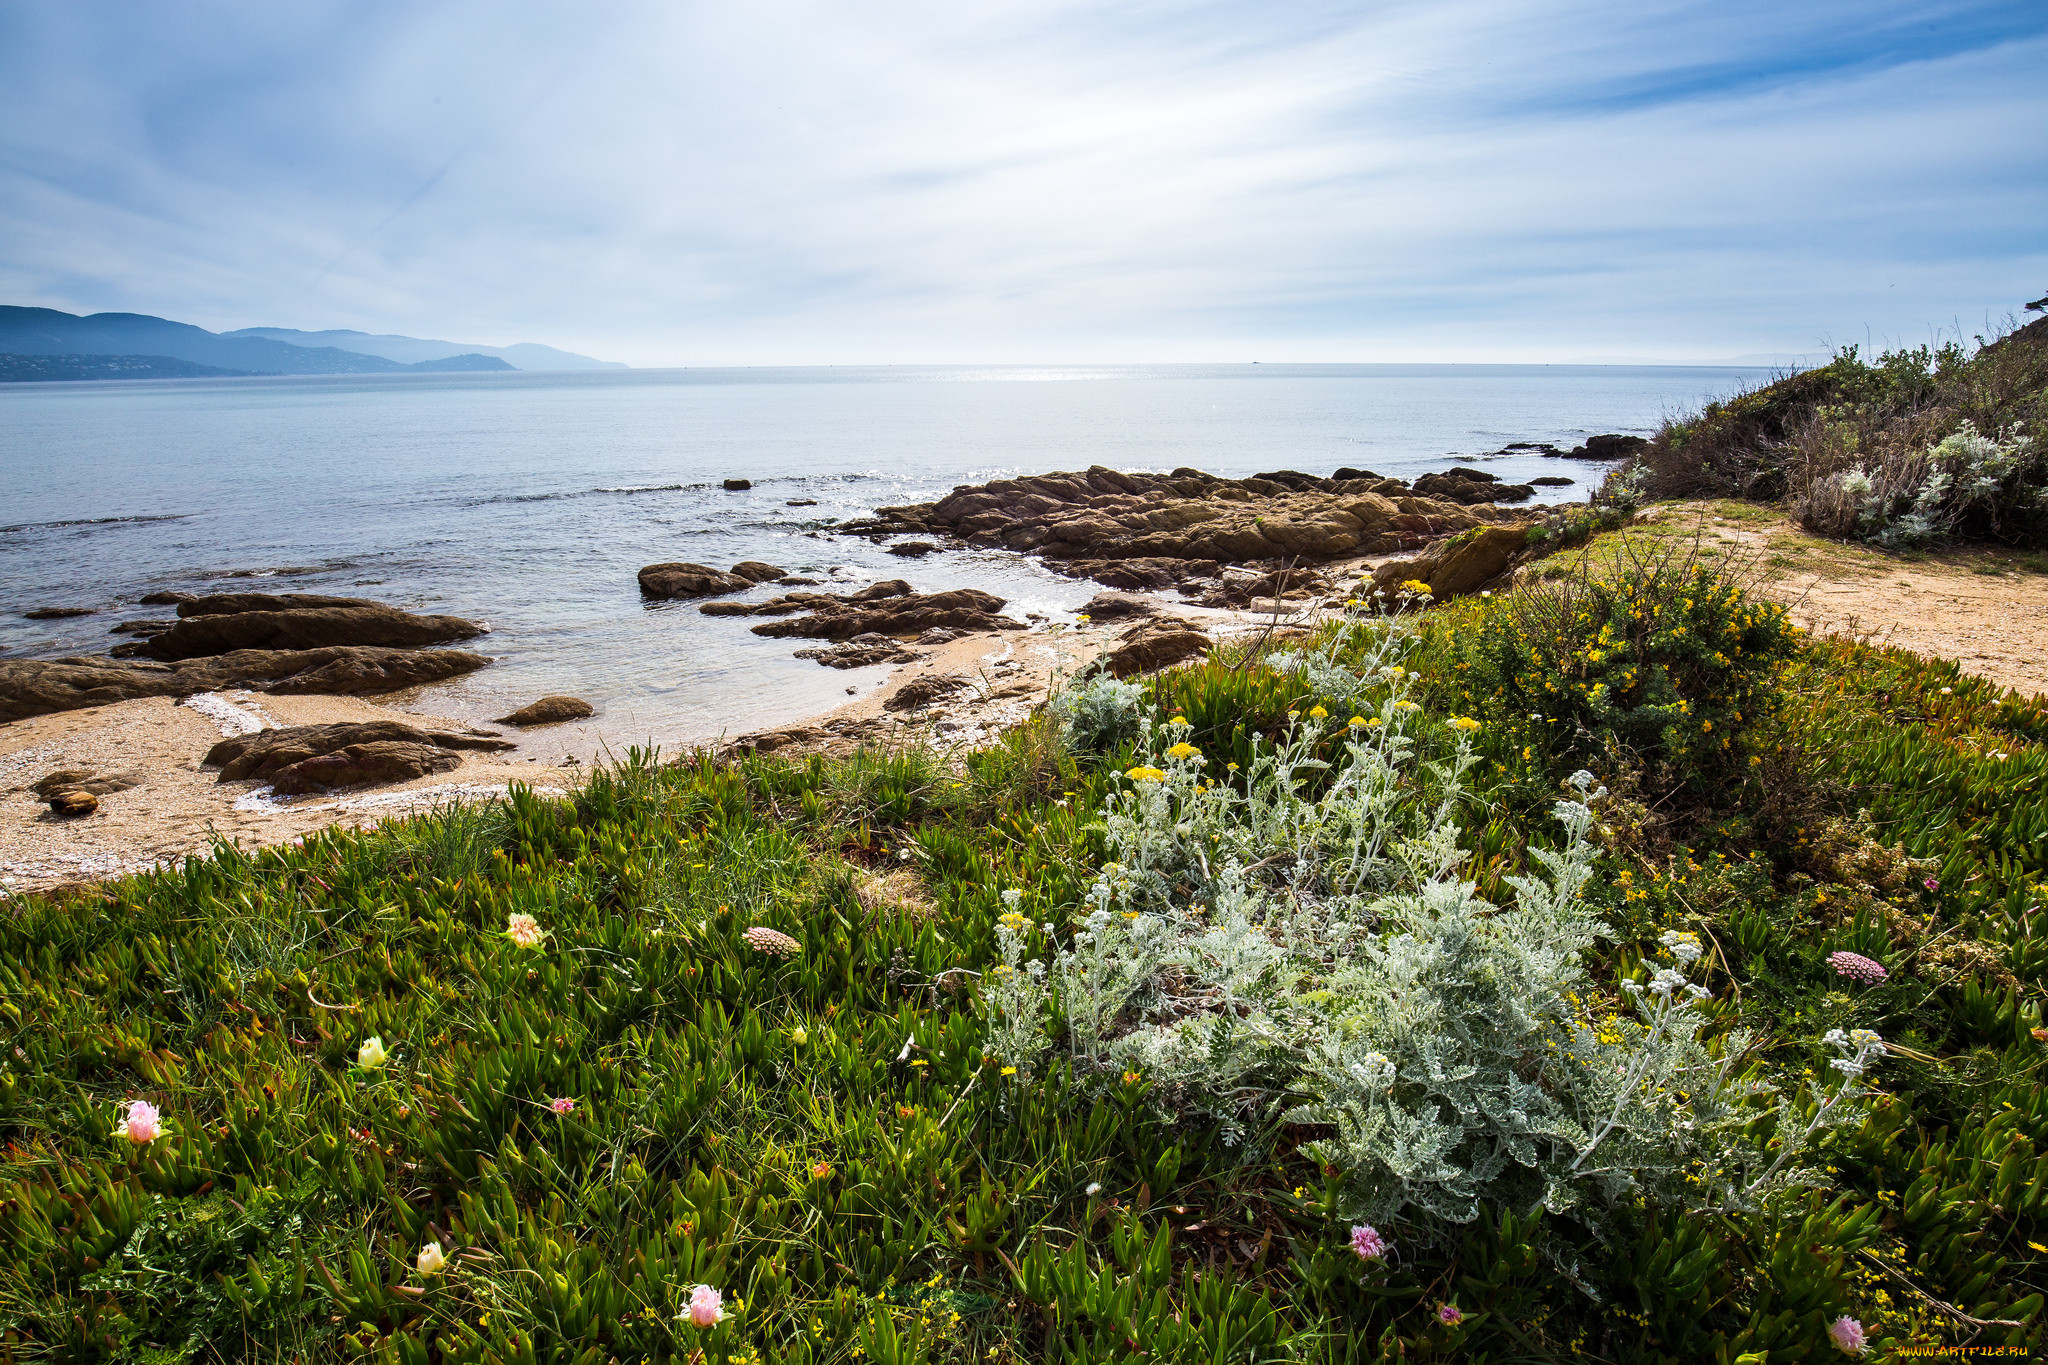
<point>1995,485</point>
<point>1099,714</point>
<point>1914,444</point>
<point>1304,940</point>
<point>1659,659</point>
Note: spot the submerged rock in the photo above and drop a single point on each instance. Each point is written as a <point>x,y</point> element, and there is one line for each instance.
<point>57,613</point>
<point>913,549</point>
<point>548,711</point>
<point>738,485</point>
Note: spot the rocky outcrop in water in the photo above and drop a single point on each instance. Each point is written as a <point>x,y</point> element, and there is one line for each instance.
<point>669,581</point>
<point>888,608</point>
<point>549,711</point>
<point>1164,530</point>
<point>308,758</point>
<point>209,626</point>
<point>1469,487</point>
<point>36,687</point>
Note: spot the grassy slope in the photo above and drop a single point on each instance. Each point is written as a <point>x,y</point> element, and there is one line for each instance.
<point>819,1137</point>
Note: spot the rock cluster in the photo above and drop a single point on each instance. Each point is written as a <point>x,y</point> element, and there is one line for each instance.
<point>1150,531</point>
<point>666,581</point>
<point>77,791</point>
<point>1468,487</point>
<point>36,687</point>
<point>207,626</point>
<point>1153,644</point>
<point>889,608</point>
<point>311,758</point>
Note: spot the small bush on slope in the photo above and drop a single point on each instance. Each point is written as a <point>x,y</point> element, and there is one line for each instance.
<point>1915,445</point>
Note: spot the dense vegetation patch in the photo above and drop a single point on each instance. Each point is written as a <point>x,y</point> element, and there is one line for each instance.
<point>1299,1005</point>
<point>1918,445</point>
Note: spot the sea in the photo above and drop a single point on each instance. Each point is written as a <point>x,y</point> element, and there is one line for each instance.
<point>531,500</point>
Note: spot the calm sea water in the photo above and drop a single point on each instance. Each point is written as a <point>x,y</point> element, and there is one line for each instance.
<point>530,500</point>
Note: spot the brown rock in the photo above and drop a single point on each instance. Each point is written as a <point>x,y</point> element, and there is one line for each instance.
<point>862,651</point>
<point>1140,530</point>
<point>913,549</point>
<point>689,580</point>
<point>921,694</point>
<point>57,613</point>
<point>1457,566</point>
<point>36,687</point>
<point>164,599</point>
<point>1552,481</point>
<point>1117,606</point>
<point>233,603</point>
<point>754,571</point>
<point>269,752</point>
<point>1603,448</point>
<point>73,803</point>
<point>738,485</point>
<point>549,710</point>
<point>84,780</point>
<point>142,627</point>
<point>1153,645</point>
<point>836,618</point>
<point>361,765</point>
<point>874,592</point>
<point>300,628</point>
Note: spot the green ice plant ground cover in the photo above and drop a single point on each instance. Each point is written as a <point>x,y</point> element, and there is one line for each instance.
<point>1357,1033</point>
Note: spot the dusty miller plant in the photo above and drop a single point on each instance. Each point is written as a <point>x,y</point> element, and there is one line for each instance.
<point>1307,939</point>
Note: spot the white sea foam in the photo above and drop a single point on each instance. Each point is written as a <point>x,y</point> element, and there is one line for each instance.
<point>233,720</point>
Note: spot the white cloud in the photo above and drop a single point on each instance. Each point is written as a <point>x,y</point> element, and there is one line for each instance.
<point>814,182</point>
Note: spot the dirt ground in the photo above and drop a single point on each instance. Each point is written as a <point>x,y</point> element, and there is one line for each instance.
<point>1985,608</point>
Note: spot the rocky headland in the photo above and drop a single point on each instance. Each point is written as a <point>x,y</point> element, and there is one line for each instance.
<point>1204,534</point>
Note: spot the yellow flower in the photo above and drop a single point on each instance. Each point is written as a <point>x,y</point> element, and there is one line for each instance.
<point>1132,1078</point>
<point>1009,1071</point>
<point>1145,775</point>
<point>1415,587</point>
<point>1318,713</point>
<point>1178,720</point>
<point>1183,751</point>
<point>1464,724</point>
<point>1359,722</point>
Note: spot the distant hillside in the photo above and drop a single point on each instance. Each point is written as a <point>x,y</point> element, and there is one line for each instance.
<point>31,369</point>
<point>411,350</point>
<point>137,338</point>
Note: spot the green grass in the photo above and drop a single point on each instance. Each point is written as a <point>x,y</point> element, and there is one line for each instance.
<point>820,1136</point>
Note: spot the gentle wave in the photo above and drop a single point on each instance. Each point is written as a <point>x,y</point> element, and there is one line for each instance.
<point>92,521</point>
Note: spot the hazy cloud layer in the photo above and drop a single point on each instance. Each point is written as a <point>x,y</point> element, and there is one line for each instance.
<point>815,182</point>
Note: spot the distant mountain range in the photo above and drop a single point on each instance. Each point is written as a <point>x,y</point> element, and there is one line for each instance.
<point>526,355</point>
<point>42,344</point>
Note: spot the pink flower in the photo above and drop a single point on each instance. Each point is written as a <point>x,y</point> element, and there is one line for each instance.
<point>564,1105</point>
<point>1847,1334</point>
<point>1932,884</point>
<point>143,1124</point>
<point>771,941</point>
<point>1857,967</point>
<point>1368,1244</point>
<point>524,930</point>
<point>1449,1314</point>
<point>707,1306</point>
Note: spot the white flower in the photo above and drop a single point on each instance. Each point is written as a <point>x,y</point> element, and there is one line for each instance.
<point>1094,1188</point>
<point>431,1260</point>
<point>371,1056</point>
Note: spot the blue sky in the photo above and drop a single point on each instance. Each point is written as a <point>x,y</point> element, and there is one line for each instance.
<point>788,182</point>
